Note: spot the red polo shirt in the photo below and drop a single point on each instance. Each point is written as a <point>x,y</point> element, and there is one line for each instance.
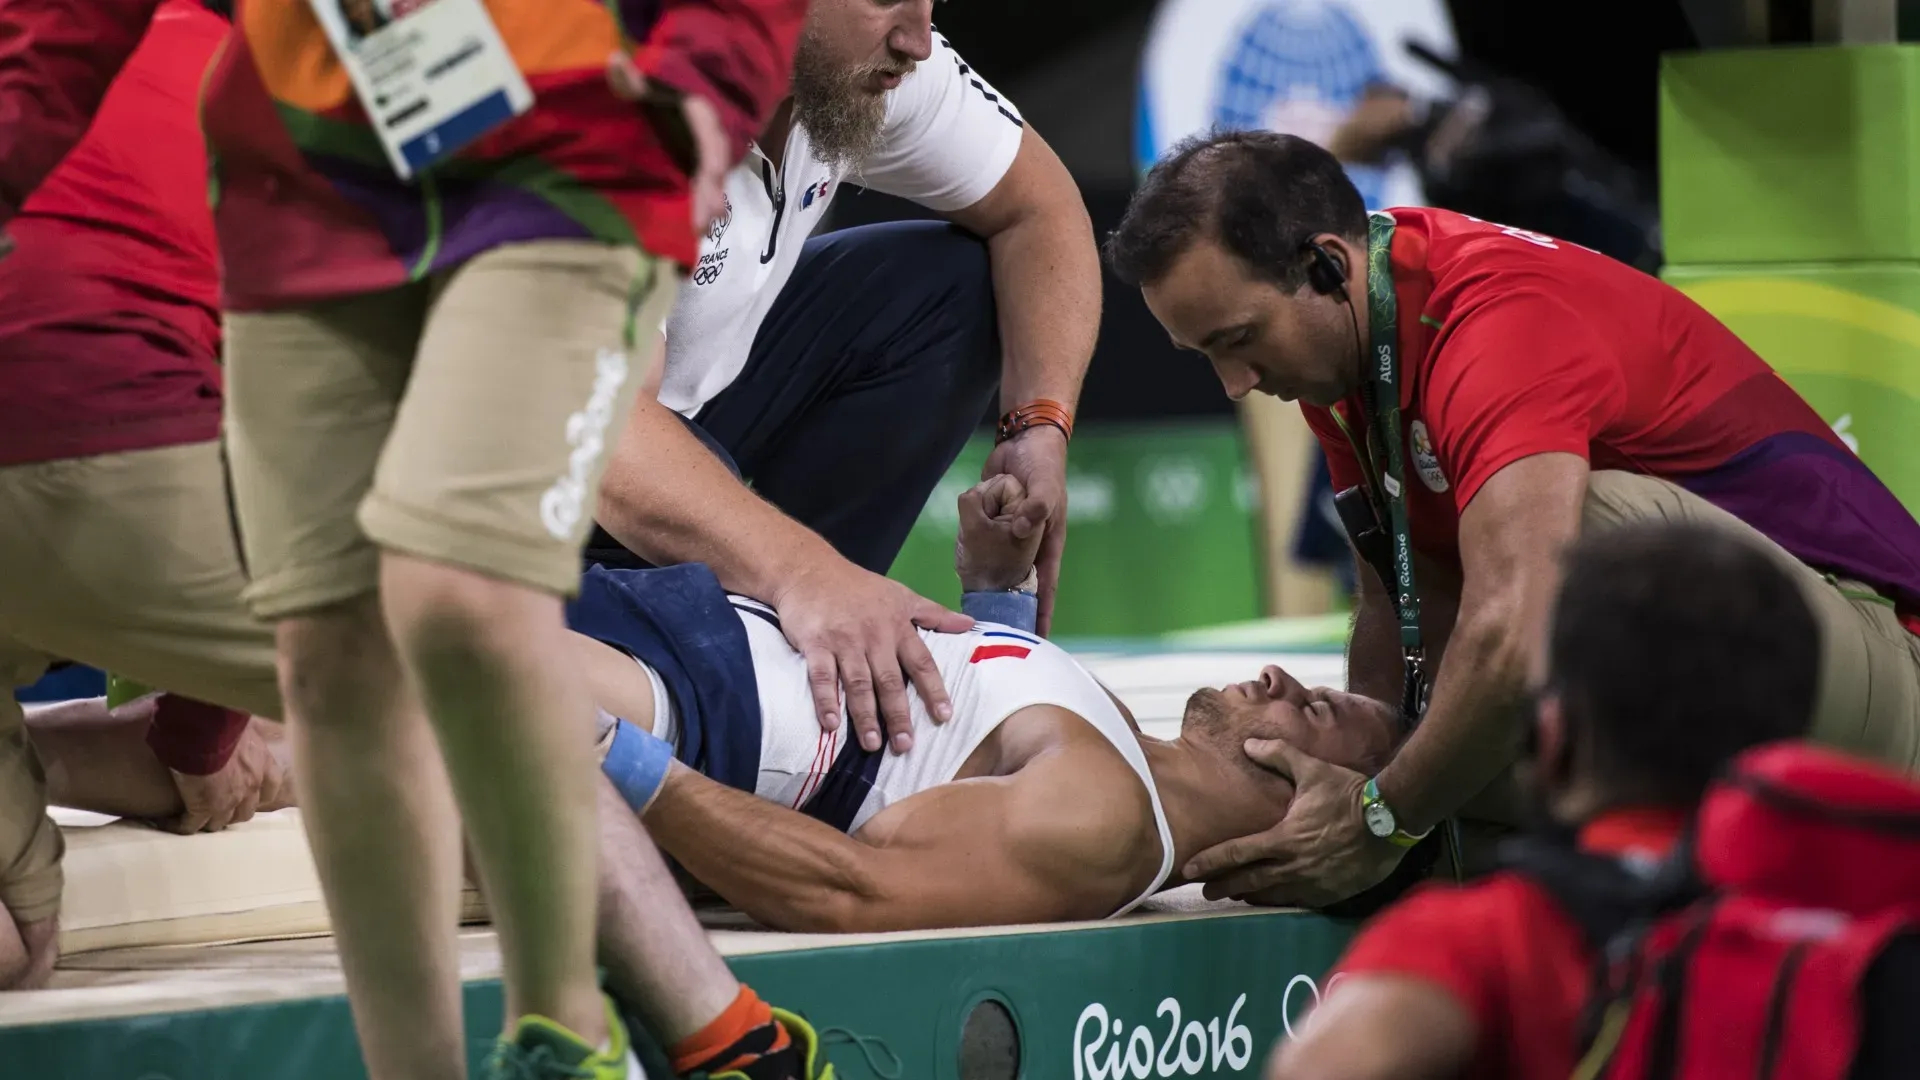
<point>1514,344</point>
<point>110,325</point>
<point>1504,950</point>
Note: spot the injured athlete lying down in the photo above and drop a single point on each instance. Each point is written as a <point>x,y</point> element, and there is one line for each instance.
<point>1039,800</point>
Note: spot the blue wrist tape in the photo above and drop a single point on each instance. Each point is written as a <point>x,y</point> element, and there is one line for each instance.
<point>1019,610</point>
<point>637,763</point>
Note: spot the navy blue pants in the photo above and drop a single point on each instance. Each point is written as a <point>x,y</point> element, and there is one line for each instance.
<point>879,359</point>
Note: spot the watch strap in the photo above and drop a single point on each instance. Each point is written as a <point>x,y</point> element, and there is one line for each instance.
<point>1370,796</point>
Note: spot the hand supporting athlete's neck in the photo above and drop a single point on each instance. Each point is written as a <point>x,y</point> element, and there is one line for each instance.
<point>1208,800</point>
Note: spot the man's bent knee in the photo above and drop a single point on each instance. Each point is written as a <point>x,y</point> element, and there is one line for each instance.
<point>1615,498</point>
<point>28,949</point>
<point>31,845</point>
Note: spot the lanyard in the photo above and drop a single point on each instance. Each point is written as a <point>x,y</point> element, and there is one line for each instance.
<point>1386,446</point>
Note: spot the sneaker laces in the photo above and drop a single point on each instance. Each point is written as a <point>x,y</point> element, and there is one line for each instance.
<point>513,1062</point>
<point>870,1047</point>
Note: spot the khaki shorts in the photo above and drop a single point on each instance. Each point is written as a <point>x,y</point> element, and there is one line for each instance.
<point>463,419</point>
<point>1869,696</point>
<point>125,562</point>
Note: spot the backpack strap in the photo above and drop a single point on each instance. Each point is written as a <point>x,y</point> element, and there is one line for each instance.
<point>1615,909</point>
<point>1778,997</point>
<point>1610,1008</point>
<point>1670,976</point>
<point>1600,894</point>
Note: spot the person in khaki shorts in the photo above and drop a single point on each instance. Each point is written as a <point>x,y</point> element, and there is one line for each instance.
<point>115,546</point>
<point>1485,394</point>
<point>422,376</point>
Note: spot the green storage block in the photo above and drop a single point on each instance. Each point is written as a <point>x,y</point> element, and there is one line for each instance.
<point>1804,154</point>
<point>1846,337</point>
<point>1162,531</point>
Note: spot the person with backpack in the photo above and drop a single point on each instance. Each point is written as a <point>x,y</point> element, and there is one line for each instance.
<point>1768,931</point>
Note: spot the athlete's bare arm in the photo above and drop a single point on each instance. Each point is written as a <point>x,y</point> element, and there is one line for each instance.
<point>1069,835</point>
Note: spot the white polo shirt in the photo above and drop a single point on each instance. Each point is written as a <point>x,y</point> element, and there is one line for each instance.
<point>948,139</point>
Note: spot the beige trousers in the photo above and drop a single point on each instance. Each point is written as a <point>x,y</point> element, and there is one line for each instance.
<point>126,562</point>
<point>1869,697</point>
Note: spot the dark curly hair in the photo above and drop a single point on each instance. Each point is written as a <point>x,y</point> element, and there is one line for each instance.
<point>1262,195</point>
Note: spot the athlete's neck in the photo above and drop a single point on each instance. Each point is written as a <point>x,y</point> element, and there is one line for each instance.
<point>1208,800</point>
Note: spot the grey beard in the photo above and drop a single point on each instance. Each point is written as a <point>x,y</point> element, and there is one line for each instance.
<point>843,123</point>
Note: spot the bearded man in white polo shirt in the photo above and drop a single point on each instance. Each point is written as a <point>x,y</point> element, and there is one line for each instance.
<point>841,376</point>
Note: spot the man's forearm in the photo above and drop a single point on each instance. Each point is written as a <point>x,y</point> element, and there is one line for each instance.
<point>669,500</point>
<point>782,868</point>
<point>1046,285</point>
<point>1374,659</point>
<point>1470,732</point>
<point>99,761</point>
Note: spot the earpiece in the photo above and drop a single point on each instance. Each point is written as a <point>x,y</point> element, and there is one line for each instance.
<point>1323,271</point>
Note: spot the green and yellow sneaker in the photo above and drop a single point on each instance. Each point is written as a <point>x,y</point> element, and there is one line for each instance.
<point>799,1060</point>
<point>539,1049</point>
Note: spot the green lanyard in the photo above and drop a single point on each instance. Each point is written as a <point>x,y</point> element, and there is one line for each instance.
<point>1380,391</point>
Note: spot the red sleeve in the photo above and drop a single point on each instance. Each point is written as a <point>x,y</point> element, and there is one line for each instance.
<point>57,58</point>
<point>193,737</point>
<point>1523,373</point>
<point>1342,465</point>
<point>738,54</point>
<point>1424,936</point>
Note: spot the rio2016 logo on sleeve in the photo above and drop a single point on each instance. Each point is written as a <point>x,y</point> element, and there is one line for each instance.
<point>1426,461</point>
<point>1103,1048</point>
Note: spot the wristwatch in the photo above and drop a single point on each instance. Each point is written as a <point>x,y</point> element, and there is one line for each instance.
<point>1380,820</point>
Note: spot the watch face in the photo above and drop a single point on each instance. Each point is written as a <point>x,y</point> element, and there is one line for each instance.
<point>1379,820</point>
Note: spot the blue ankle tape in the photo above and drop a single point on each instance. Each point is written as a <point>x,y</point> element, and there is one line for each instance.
<point>1016,609</point>
<point>637,764</point>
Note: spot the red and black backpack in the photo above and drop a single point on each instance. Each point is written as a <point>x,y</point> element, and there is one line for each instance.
<point>1744,955</point>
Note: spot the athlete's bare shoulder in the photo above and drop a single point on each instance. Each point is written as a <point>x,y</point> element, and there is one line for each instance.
<point>1059,802</point>
<point>1077,793</point>
<point>1080,800</point>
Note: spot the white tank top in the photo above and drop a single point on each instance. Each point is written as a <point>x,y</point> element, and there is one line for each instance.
<point>991,672</point>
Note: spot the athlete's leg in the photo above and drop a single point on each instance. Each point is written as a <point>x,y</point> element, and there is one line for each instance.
<point>657,955</point>
<point>311,398</point>
<point>660,963</point>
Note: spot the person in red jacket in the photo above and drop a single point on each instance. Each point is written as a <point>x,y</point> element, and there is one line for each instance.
<point>1483,395</point>
<point>431,307</point>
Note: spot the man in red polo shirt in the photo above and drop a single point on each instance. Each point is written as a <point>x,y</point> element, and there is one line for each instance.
<point>1490,393</point>
<point>1673,650</point>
